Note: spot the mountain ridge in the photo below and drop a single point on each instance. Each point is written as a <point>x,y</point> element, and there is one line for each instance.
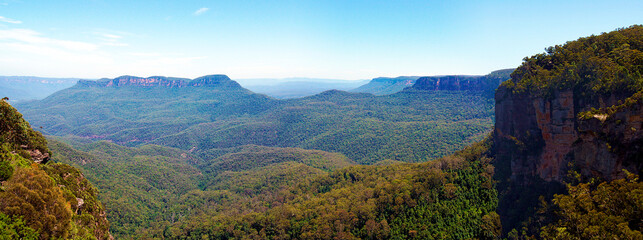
<point>213,80</point>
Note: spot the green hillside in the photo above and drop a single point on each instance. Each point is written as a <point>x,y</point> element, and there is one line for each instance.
<point>261,192</point>
<point>144,188</point>
<point>40,199</point>
<point>410,126</point>
<point>450,198</point>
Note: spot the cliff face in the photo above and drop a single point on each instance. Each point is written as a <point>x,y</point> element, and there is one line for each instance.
<point>544,138</point>
<point>609,143</point>
<point>546,117</point>
<point>486,83</point>
<point>451,83</point>
<point>577,108</point>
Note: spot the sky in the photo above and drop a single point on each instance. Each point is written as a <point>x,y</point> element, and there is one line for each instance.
<point>341,39</point>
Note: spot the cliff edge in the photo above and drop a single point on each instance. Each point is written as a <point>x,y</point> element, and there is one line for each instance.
<point>574,111</point>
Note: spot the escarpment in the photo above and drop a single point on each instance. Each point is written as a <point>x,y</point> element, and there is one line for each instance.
<point>545,138</point>
<point>539,127</point>
<point>485,83</point>
<point>573,113</point>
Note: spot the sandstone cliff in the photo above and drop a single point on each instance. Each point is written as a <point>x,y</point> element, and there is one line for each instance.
<point>574,113</point>
<point>544,138</point>
<point>486,83</point>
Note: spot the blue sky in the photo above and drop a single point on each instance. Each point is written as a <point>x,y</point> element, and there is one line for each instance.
<point>275,39</point>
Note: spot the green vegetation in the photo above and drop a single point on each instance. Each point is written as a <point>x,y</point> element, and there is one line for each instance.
<point>16,134</point>
<point>148,188</point>
<point>42,201</point>
<point>136,184</point>
<point>15,228</point>
<point>230,164</point>
<point>604,73</point>
<point>450,198</point>
<point>266,192</point>
<point>605,210</point>
<point>412,126</point>
<point>607,64</point>
<point>160,192</point>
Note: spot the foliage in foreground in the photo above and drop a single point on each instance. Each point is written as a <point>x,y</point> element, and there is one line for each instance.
<point>41,201</point>
<point>606,210</point>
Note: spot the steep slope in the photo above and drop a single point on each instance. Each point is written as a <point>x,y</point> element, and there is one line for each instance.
<point>40,199</point>
<point>578,107</point>
<point>137,184</point>
<point>384,85</point>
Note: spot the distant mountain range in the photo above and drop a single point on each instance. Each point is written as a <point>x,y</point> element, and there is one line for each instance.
<point>21,88</point>
<point>214,112</point>
<point>297,87</point>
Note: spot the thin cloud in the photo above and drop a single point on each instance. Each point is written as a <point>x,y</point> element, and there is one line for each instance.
<point>9,20</point>
<point>110,39</point>
<point>33,38</point>
<point>200,11</point>
<point>112,36</point>
<point>144,54</point>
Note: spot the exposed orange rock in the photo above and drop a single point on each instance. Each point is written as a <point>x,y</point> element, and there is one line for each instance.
<point>551,138</point>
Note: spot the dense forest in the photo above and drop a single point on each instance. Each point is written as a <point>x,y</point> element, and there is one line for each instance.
<point>263,192</point>
<point>145,189</point>
<point>410,126</point>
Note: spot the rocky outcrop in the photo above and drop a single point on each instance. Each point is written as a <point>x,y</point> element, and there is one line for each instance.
<point>607,144</point>
<point>538,140</point>
<point>159,81</point>
<point>543,138</point>
<point>36,155</point>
